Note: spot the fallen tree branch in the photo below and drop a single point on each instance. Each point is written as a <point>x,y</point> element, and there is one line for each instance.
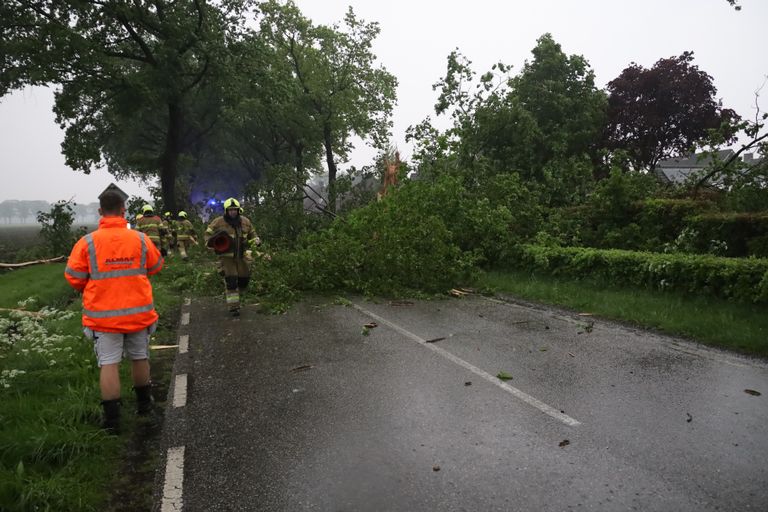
<point>30,263</point>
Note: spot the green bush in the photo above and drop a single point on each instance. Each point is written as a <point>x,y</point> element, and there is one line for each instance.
<point>614,220</point>
<point>390,247</point>
<point>56,228</point>
<point>743,233</point>
<point>662,220</point>
<point>426,236</point>
<point>729,278</point>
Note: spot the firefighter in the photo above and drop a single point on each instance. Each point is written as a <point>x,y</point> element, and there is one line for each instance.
<point>170,232</point>
<point>111,267</point>
<point>233,239</point>
<point>185,234</point>
<point>152,226</point>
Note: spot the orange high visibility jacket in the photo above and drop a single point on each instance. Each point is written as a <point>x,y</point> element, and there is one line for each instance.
<point>110,266</point>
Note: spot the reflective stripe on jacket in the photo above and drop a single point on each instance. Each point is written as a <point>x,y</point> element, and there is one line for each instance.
<point>110,266</point>
<point>152,226</point>
<point>184,230</point>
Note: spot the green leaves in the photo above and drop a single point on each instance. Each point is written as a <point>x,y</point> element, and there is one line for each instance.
<point>504,376</point>
<point>542,124</point>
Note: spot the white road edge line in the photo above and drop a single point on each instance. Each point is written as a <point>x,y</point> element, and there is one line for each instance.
<point>520,395</point>
<point>185,319</point>
<point>173,487</point>
<point>183,343</point>
<point>180,390</point>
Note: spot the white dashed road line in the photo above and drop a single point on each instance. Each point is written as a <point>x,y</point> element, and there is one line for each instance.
<point>180,391</point>
<point>520,395</point>
<point>185,318</point>
<point>173,488</point>
<point>183,343</point>
<point>187,301</point>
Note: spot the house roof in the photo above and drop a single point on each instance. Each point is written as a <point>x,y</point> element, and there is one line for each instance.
<point>694,161</point>
<point>678,170</point>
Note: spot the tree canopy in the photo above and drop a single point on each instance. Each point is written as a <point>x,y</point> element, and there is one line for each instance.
<point>136,82</point>
<point>667,110</point>
<point>167,88</point>
<point>540,124</point>
<point>341,86</point>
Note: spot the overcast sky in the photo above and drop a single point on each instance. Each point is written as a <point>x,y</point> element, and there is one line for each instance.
<point>416,37</point>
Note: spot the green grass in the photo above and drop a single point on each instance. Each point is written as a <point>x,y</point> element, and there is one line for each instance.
<point>44,282</point>
<point>736,326</point>
<point>53,455</point>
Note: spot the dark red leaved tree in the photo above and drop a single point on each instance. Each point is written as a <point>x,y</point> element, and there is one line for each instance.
<point>663,111</point>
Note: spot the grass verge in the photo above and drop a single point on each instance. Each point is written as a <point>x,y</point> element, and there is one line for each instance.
<point>53,455</point>
<point>45,283</point>
<point>735,326</point>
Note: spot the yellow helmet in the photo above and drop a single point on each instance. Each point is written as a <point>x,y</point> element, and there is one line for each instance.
<point>183,214</point>
<point>147,208</point>
<point>167,215</point>
<point>231,203</point>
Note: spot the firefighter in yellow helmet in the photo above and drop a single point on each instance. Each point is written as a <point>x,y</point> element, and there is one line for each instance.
<point>152,226</point>
<point>170,232</point>
<point>233,239</point>
<point>185,234</point>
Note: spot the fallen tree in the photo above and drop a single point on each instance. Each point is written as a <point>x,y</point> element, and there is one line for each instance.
<point>30,263</point>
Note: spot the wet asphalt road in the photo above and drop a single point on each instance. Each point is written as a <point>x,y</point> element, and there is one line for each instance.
<point>386,422</point>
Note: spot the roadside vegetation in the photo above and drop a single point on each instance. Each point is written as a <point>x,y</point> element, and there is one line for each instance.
<point>53,454</point>
<point>736,326</point>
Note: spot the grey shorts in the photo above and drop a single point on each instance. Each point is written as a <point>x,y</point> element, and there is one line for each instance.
<point>110,346</point>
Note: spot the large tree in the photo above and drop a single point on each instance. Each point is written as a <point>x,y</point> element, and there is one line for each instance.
<point>136,81</point>
<point>542,124</point>
<point>344,90</point>
<point>665,111</point>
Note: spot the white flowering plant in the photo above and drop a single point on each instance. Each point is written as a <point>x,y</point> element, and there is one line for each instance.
<point>34,341</point>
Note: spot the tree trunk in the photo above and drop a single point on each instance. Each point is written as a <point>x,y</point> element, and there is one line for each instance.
<point>331,167</point>
<point>170,159</point>
<point>300,179</point>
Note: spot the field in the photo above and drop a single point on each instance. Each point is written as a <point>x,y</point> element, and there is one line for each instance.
<point>18,240</point>
<point>22,242</point>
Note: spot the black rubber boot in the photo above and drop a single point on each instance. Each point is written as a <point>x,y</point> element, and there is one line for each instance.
<point>143,399</point>
<point>111,421</point>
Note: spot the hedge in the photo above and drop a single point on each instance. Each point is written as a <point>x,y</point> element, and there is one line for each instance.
<point>746,234</point>
<point>661,220</point>
<point>744,280</point>
<point>640,225</point>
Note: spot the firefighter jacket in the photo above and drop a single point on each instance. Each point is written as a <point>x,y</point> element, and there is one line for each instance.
<point>153,227</point>
<point>243,235</point>
<point>110,266</point>
<point>184,230</point>
<point>169,225</point>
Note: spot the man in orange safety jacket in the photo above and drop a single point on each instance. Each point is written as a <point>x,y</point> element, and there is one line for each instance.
<point>110,267</point>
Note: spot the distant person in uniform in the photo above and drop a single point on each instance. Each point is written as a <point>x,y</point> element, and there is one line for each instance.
<point>152,226</point>
<point>170,232</point>
<point>111,267</point>
<point>185,234</point>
